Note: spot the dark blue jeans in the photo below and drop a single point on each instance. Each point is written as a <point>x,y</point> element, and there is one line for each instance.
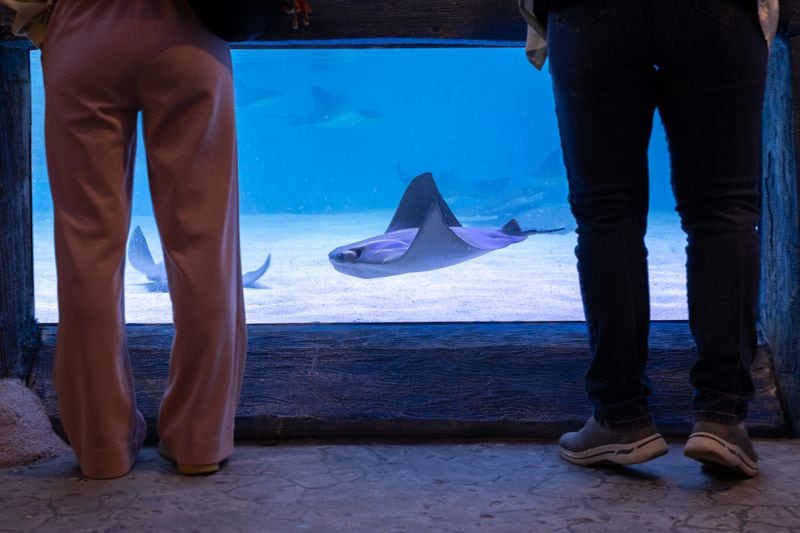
<point>702,64</point>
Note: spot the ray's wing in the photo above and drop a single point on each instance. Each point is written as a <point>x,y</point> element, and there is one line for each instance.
<point>325,103</point>
<point>142,260</point>
<point>414,206</point>
<point>435,245</point>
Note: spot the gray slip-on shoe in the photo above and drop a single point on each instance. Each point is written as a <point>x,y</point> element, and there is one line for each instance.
<point>595,444</point>
<point>723,447</point>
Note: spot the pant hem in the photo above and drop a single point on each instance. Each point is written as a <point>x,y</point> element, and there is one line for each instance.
<point>633,423</point>
<point>721,418</point>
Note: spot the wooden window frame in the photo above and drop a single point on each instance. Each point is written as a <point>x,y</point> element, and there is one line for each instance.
<point>421,380</point>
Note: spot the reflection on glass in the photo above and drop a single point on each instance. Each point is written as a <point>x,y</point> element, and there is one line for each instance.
<point>329,141</point>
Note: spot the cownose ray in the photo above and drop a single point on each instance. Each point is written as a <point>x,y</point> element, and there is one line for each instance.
<point>251,97</point>
<point>332,109</point>
<point>156,273</point>
<point>424,234</point>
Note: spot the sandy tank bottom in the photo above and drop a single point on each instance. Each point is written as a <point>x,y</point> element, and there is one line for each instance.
<point>535,280</point>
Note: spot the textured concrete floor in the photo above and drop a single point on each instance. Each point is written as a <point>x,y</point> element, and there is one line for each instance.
<point>407,487</point>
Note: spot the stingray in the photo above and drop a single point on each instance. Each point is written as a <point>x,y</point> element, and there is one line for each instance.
<point>250,97</point>
<point>142,260</point>
<point>552,165</point>
<point>332,110</point>
<point>424,234</point>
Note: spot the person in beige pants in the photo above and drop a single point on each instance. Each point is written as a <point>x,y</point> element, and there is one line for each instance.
<point>105,62</point>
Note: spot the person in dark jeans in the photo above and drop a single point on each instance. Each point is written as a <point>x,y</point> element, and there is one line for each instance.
<point>702,65</point>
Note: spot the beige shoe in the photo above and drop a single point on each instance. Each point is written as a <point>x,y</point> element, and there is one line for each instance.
<point>188,470</point>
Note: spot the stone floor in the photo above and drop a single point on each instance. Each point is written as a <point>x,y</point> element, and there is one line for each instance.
<point>495,486</point>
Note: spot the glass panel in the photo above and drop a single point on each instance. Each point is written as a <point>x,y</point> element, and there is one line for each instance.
<point>329,141</point>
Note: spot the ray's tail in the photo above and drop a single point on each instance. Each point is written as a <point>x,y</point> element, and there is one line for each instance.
<point>512,227</point>
<point>249,278</point>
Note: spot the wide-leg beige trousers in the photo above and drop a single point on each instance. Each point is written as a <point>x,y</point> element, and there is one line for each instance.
<point>104,62</point>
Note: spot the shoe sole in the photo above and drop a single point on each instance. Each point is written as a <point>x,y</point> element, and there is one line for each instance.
<point>196,470</point>
<point>188,470</point>
<point>620,454</point>
<point>719,454</point>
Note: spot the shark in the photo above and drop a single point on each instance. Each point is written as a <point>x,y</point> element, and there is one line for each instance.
<point>423,234</point>
<point>156,273</point>
<point>332,110</point>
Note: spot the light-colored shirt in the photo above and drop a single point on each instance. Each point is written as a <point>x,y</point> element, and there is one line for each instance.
<point>536,42</point>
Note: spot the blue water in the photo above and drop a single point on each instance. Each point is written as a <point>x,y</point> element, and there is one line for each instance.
<point>342,131</point>
<point>470,115</point>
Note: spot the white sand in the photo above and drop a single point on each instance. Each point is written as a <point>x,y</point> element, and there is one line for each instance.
<point>535,280</point>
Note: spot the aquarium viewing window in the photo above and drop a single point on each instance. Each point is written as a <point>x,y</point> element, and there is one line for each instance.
<point>329,140</point>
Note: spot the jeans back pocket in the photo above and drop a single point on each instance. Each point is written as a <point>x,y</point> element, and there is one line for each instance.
<point>579,15</point>
<point>729,13</point>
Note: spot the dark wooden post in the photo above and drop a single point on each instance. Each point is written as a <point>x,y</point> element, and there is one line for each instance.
<point>18,330</point>
<point>780,287</point>
<point>19,335</point>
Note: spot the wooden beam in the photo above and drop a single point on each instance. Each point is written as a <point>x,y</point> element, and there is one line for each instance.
<point>423,380</point>
<point>408,23</point>
<point>6,16</point>
<point>414,20</point>
<point>18,331</point>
